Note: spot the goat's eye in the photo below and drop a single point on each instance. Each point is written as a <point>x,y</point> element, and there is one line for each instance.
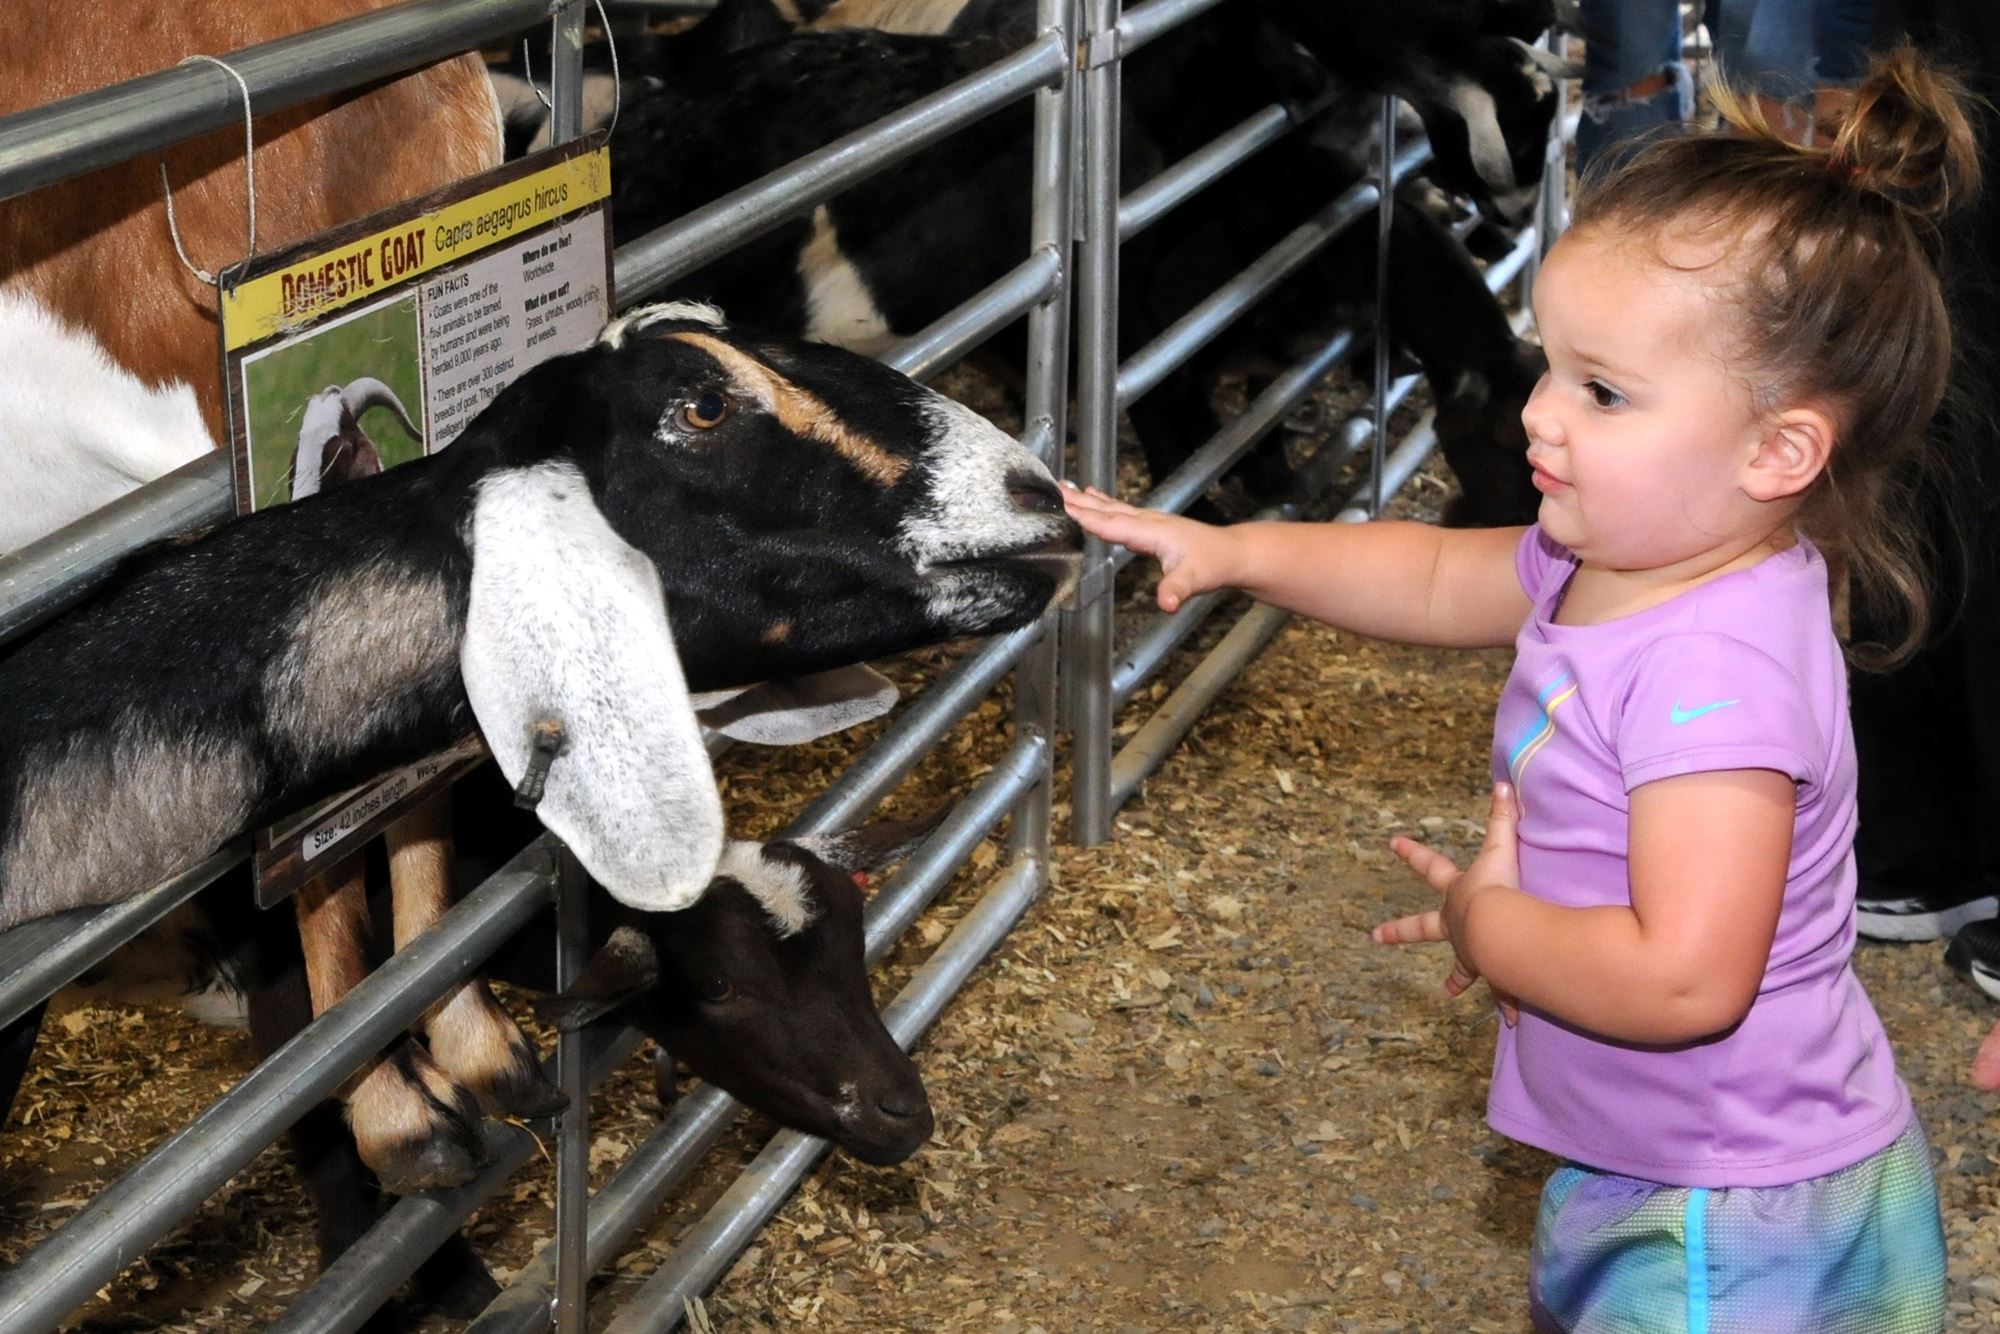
<point>707,412</point>
<point>717,990</point>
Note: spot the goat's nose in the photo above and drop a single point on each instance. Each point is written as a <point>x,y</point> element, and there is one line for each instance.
<point>904,1105</point>
<point>1034,493</point>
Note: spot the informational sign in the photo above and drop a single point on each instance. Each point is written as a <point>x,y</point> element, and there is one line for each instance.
<point>377,343</point>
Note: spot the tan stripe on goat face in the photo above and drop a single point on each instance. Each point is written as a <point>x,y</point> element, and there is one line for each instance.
<point>799,410</point>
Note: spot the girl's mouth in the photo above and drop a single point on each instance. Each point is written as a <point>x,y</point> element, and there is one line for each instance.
<point>1547,484</point>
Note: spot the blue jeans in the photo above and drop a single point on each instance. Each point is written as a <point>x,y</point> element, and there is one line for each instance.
<point>1784,49</point>
<point>1627,41</point>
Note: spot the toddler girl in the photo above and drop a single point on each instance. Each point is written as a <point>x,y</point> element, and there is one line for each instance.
<point>1746,341</point>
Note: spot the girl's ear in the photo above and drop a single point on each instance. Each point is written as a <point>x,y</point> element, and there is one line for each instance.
<point>1792,454</point>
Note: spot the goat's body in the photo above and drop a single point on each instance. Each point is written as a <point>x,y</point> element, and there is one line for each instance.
<point>76,431</point>
<point>227,682</point>
<point>96,250</point>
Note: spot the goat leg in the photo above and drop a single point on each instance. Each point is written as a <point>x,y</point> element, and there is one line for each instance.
<point>415,1127</point>
<point>471,1037</point>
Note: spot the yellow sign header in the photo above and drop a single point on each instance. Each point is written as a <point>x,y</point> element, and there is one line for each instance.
<point>297,294</point>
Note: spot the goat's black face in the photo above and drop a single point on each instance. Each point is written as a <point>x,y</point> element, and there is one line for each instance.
<point>808,507</point>
<point>1488,124</point>
<point>760,988</point>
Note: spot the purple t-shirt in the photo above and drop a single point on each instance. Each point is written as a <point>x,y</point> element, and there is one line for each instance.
<point>1743,672</point>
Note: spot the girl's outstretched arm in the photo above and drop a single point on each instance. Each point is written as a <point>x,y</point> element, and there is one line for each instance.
<point>1413,582</point>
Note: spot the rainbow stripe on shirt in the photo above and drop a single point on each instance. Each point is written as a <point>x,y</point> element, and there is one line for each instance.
<point>1537,734</point>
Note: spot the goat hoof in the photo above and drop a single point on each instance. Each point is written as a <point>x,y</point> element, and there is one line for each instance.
<point>434,1163</point>
<point>454,1282</point>
<point>519,1090</point>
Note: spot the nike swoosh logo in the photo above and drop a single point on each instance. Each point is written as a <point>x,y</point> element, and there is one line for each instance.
<point>1681,715</point>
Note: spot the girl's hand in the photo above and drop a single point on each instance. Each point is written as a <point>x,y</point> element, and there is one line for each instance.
<point>1193,556</point>
<point>1496,866</point>
<point>1986,1065</point>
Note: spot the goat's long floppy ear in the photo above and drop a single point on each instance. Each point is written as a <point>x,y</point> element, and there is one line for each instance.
<point>796,709</point>
<point>626,967</point>
<point>567,622</point>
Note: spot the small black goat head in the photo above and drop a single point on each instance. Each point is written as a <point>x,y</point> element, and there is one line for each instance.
<point>761,989</point>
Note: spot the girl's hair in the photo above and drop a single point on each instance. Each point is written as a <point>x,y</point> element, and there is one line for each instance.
<point>1834,262</point>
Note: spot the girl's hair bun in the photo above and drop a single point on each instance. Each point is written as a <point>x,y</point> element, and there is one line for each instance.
<point>1907,136</point>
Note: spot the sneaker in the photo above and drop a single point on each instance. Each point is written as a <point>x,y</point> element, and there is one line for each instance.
<point>1974,954</point>
<point>1927,915</point>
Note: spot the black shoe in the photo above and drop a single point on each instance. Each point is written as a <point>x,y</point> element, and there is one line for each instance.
<point>1974,954</point>
<point>1885,913</point>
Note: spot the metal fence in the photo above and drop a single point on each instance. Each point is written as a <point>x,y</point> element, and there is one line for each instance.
<point>1071,69</point>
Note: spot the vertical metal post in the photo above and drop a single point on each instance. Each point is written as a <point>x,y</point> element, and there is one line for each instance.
<point>573,1129</point>
<point>1385,218</point>
<point>1091,624</point>
<point>568,1311</point>
<point>1035,686</point>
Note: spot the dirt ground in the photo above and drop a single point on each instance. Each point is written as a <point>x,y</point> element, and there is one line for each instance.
<point>1187,1094</point>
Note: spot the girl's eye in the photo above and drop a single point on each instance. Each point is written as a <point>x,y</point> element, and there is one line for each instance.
<point>707,412</point>
<point>717,990</point>
<point>1603,395</point>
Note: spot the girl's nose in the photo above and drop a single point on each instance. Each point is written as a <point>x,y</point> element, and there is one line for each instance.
<point>1539,415</point>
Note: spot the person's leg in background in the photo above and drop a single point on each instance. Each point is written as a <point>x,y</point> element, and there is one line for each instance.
<point>1766,48</point>
<point>1634,81</point>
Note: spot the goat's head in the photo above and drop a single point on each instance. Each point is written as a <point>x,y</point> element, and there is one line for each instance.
<point>333,449</point>
<point>1487,98</point>
<point>800,507</point>
<point>806,507</point>
<point>1479,433</point>
<point>761,989</point>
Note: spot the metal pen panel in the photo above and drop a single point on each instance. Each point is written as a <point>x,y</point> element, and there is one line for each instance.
<point>144,1204</point>
<point>649,263</point>
<point>80,134</point>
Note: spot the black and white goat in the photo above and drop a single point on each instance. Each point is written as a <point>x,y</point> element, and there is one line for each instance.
<point>806,507</point>
<point>333,449</point>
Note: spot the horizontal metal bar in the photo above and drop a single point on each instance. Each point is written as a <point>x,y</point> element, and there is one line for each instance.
<point>642,1183</point>
<point>949,337</point>
<point>1233,299</point>
<point>54,573</point>
<point>1200,169</point>
<point>898,903</point>
<point>39,956</point>
<point>1184,484</point>
<point>1504,269</point>
<point>150,1200</point>
<point>1152,743</point>
<point>79,134</point>
<point>713,1243</point>
<point>649,263</point>
<point>1409,456</point>
<point>351,1289</point>
<point>902,747</point>
<point>1139,26</point>
<point>1163,634</point>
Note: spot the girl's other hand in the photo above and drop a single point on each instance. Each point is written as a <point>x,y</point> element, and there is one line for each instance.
<point>1496,865</point>
<point>1986,1065</point>
<point>1193,556</point>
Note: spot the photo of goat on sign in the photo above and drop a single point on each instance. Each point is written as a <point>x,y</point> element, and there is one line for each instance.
<point>341,403</point>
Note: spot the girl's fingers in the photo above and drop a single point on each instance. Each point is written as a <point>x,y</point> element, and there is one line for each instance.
<point>1460,979</point>
<point>1423,928</point>
<point>1436,868</point>
<point>1510,1009</point>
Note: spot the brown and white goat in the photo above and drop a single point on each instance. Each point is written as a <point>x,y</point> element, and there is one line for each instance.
<point>95,253</point>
